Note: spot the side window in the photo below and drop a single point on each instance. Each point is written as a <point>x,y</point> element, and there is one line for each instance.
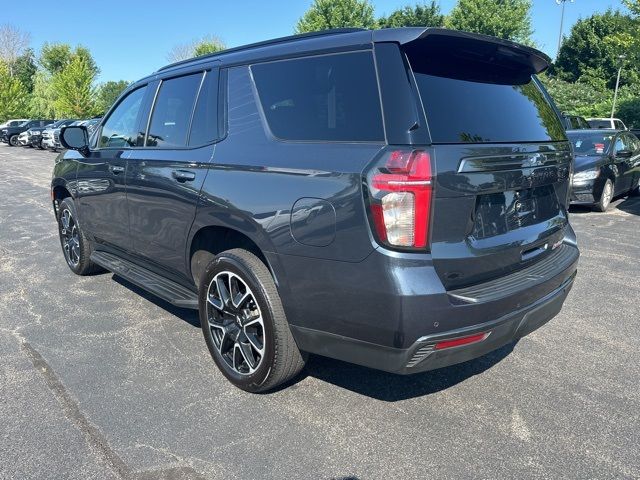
<point>172,111</point>
<point>618,124</point>
<point>323,98</point>
<point>204,126</point>
<point>120,130</point>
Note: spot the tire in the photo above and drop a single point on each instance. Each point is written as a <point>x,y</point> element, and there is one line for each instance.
<point>76,247</point>
<point>232,330</point>
<point>605,197</point>
<point>13,140</point>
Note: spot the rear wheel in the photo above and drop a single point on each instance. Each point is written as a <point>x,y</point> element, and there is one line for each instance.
<point>13,140</point>
<point>605,197</point>
<point>244,324</point>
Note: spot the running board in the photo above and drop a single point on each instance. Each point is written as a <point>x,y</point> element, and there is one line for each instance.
<point>168,290</point>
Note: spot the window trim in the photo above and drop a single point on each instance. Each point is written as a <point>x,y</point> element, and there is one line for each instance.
<point>263,116</point>
<point>205,72</point>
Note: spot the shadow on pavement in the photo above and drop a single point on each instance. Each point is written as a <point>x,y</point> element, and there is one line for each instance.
<point>390,387</point>
<point>186,314</point>
<point>630,205</point>
<point>380,385</point>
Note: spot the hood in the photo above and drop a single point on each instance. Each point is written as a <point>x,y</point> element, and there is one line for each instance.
<point>588,162</point>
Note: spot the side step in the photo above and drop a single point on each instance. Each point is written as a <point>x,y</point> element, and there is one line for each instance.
<point>152,282</point>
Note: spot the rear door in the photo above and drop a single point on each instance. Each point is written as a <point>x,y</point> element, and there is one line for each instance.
<point>165,177</point>
<point>501,158</point>
<point>101,175</point>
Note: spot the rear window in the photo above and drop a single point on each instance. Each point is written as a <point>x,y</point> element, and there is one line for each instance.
<point>600,123</point>
<point>323,98</point>
<point>476,105</point>
<point>172,111</point>
<point>590,143</point>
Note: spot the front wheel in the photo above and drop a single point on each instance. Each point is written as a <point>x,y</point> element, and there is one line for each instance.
<point>75,245</point>
<point>13,140</point>
<point>605,197</point>
<point>244,324</point>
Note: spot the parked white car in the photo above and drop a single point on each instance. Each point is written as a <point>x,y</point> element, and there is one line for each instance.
<point>613,123</point>
<point>23,138</point>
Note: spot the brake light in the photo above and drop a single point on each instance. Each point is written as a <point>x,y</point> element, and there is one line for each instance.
<point>400,203</point>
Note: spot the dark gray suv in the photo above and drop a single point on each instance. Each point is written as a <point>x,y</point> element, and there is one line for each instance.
<point>393,198</point>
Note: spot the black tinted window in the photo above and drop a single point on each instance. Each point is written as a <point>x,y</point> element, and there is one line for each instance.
<point>172,111</point>
<point>330,97</point>
<point>204,126</point>
<point>478,105</point>
<point>120,128</point>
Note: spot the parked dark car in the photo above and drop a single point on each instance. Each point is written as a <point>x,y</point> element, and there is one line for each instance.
<point>607,165</point>
<point>574,122</point>
<point>15,122</point>
<point>36,133</point>
<point>10,134</point>
<point>291,191</point>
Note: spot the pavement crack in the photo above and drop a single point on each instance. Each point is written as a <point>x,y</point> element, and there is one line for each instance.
<point>71,410</point>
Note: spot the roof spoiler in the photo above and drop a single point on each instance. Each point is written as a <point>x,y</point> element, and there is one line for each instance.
<point>454,42</point>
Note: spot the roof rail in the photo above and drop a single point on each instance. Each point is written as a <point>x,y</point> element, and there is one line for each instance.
<point>333,31</point>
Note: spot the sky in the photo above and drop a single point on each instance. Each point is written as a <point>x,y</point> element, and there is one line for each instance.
<point>131,39</point>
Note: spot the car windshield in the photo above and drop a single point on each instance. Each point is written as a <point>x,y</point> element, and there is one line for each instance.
<point>590,143</point>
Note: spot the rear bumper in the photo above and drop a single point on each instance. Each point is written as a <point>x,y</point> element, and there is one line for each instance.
<point>423,355</point>
<point>389,313</point>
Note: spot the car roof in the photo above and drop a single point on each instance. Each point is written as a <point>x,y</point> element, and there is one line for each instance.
<point>336,40</point>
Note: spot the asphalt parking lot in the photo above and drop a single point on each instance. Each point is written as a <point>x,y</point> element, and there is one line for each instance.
<point>100,380</point>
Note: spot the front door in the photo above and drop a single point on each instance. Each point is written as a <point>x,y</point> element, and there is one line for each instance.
<point>101,175</point>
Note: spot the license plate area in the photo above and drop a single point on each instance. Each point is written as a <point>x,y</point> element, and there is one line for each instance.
<point>503,212</point>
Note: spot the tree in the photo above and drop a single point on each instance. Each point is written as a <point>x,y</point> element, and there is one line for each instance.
<point>54,57</point>
<point>420,15</point>
<point>42,99</point>
<point>13,43</point>
<point>74,88</point>
<point>24,68</point>
<point>508,19</point>
<point>108,93</point>
<point>593,48</point>
<point>206,46</point>
<point>13,95</point>
<point>325,14</point>
<point>195,48</point>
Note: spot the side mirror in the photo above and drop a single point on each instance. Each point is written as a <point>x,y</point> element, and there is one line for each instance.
<point>75,138</point>
<point>624,154</point>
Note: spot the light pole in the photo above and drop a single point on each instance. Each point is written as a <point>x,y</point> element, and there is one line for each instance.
<point>561,2</point>
<point>615,94</point>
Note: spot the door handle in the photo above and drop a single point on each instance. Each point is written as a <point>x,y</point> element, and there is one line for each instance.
<point>116,169</point>
<point>183,175</point>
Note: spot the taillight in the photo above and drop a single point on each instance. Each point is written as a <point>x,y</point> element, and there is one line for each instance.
<point>400,189</point>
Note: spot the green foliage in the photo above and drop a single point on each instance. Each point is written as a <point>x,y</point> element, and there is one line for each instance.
<point>107,94</point>
<point>42,100</point>
<point>629,111</point>
<point>325,14</point>
<point>420,15</point>
<point>74,88</point>
<point>508,19</point>
<point>13,95</point>
<point>55,57</point>
<point>208,46</point>
<point>24,68</point>
<point>579,98</point>
<point>593,47</point>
